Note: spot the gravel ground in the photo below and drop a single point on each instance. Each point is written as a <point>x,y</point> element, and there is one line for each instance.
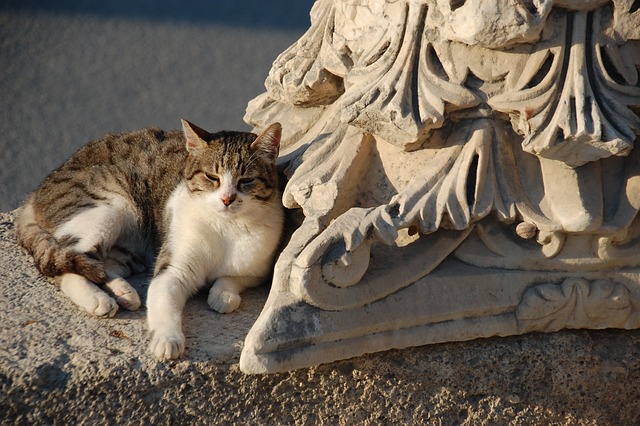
<point>61,366</point>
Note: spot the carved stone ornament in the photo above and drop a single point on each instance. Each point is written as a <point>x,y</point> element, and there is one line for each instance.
<point>458,169</point>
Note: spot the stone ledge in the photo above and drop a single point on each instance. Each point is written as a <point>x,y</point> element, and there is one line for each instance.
<point>58,365</point>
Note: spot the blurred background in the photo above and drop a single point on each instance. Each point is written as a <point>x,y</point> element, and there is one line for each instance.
<point>73,70</point>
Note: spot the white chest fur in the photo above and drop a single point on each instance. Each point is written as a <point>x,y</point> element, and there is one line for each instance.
<point>214,240</point>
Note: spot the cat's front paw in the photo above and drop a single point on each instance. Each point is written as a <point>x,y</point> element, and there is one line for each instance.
<point>222,300</point>
<point>167,346</point>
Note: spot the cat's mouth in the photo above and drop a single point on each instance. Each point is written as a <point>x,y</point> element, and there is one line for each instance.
<point>229,210</point>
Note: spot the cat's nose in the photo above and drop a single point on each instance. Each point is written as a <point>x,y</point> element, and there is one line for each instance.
<point>227,200</point>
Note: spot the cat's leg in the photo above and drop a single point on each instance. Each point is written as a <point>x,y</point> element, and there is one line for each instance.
<point>87,295</point>
<point>97,230</point>
<point>168,293</point>
<point>224,296</point>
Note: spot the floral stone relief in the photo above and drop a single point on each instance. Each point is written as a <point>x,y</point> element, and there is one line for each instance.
<point>459,169</point>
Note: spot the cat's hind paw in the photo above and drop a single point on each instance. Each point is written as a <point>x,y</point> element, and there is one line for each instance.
<point>165,347</point>
<point>104,306</point>
<point>99,305</point>
<point>222,300</point>
<point>124,293</point>
<point>87,295</point>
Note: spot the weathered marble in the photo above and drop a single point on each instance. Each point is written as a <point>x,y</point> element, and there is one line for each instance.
<point>460,170</point>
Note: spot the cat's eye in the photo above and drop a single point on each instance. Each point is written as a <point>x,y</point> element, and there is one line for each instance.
<point>212,178</point>
<point>245,181</point>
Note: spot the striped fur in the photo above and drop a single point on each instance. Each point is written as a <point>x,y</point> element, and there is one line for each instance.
<point>118,203</point>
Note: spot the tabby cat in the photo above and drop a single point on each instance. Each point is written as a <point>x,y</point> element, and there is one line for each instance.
<point>203,206</point>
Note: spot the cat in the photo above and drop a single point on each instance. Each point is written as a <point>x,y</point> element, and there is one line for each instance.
<point>204,208</point>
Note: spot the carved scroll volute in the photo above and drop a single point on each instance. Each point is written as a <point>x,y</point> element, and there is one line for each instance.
<point>567,103</point>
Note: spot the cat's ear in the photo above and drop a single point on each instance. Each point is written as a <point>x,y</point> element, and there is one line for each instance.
<point>194,135</point>
<point>269,141</point>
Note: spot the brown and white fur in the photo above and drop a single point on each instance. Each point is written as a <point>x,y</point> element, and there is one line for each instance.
<point>203,207</point>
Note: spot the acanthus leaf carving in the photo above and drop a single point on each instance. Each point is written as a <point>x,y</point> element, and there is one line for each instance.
<point>625,16</point>
<point>460,186</point>
<point>322,167</point>
<point>577,112</point>
<point>307,73</point>
<point>474,174</point>
<point>495,24</point>
<point>575,303</point>
<point>398,102</point>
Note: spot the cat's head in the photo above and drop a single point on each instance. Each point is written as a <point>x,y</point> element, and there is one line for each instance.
<point>232,170</point>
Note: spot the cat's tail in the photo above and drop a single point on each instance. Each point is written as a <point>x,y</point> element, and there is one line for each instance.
<point>53,258</point>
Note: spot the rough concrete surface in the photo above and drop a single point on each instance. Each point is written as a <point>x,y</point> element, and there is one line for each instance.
<point>61,366</point>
